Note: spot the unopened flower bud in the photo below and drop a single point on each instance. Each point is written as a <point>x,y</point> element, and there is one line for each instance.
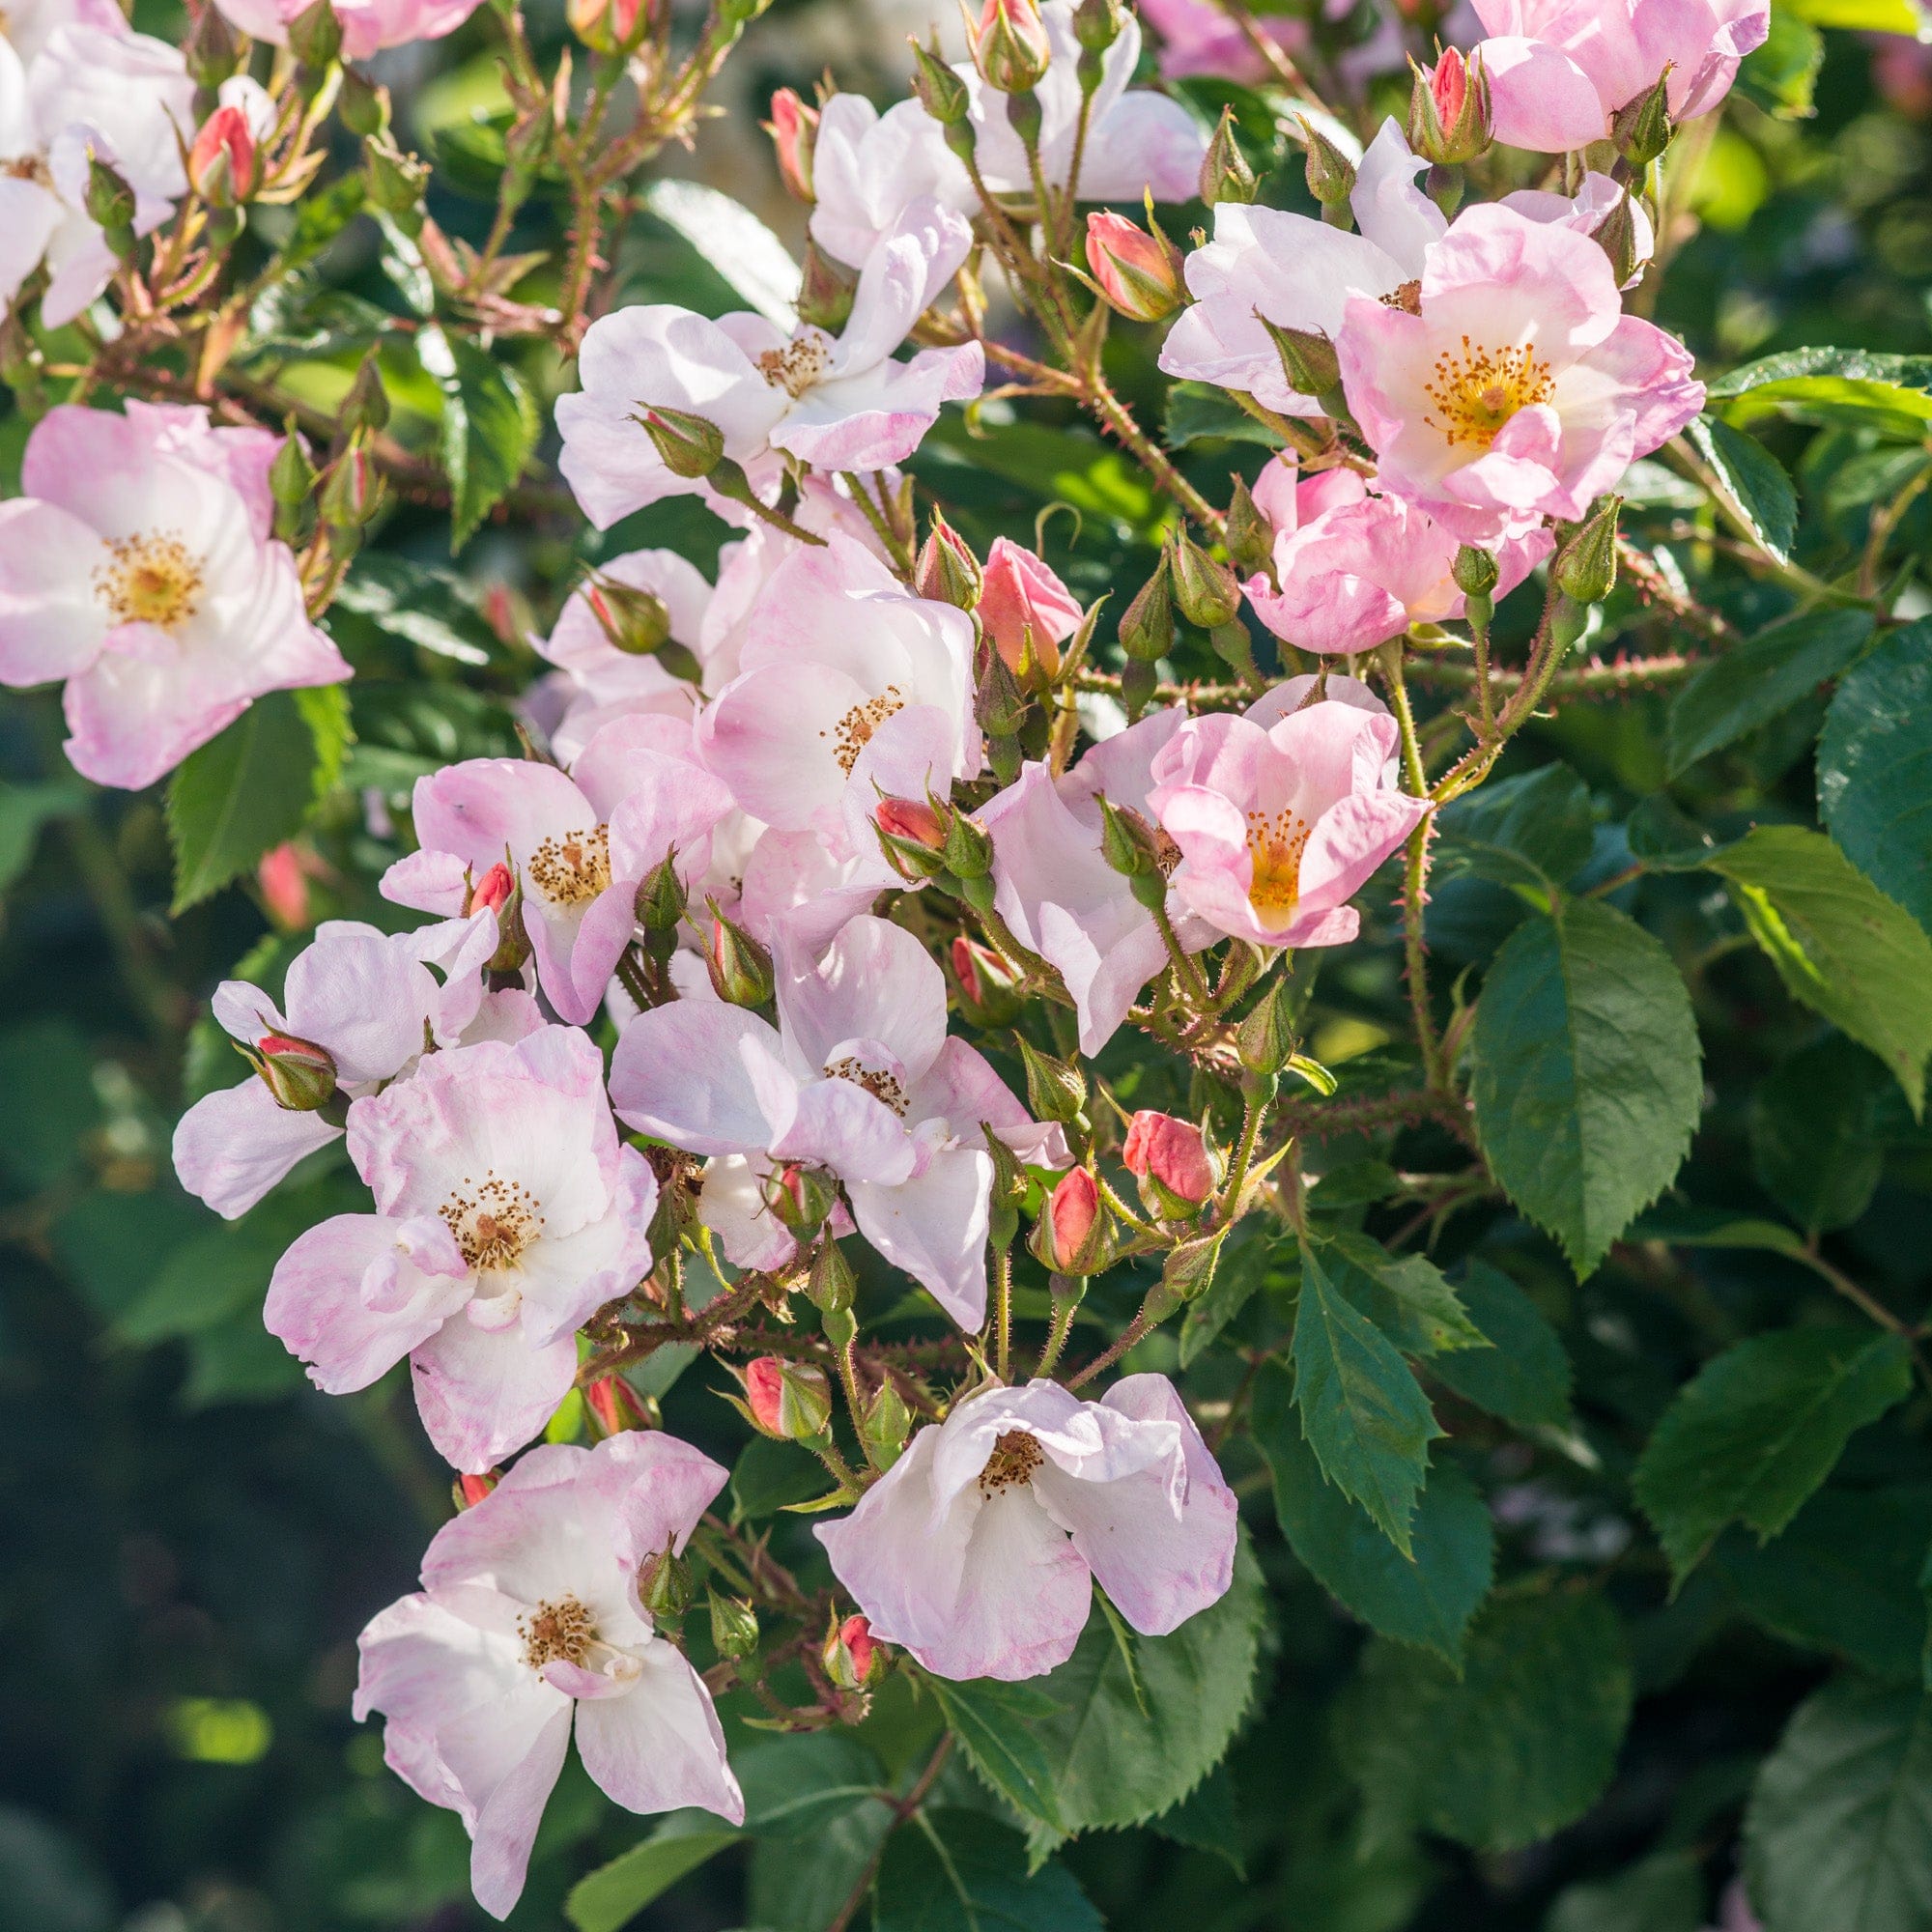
<point>1131,846</point>
<point>800,1200</point>
<point>790,1401</point>
<point>740,968</point>
<point>1642,127</point>
<point>1026,610</point>
<point>1188,1271</point>
<point>1449,109</point>
<point>854,1659</point>
<point>968,851</point>
<point>1056,1088</point>
<point>110,204</point>
<point>468,1490</point>
<point>607,26</point>
<point>1309,364</point>
<point>366,405</point>
<point>1224,173</point>
<point>352,493</point>
<point>634,621</point>
<point>947,571</point>
<point>1250,536</point>
<point>941,92</point>
<point>1097,24</point>
<point>914,838</point>
<point>687,444</point>
<point>735,1626</point>
<point>1146,626</point>
<point>1070,1236</point>
<point>221,163</point>
<point>989,988</point>
<point>1265,1041</point>
<point>615,1406</point>
<point>662,897</point>
<point>299,1073</point>
<point>884,1426</point>
<point>1138,272</point>
<point>1331,174</point>
<point>998,701</point>
<point>210,52</point>
<point>1618,237</point>
<point>501,892</point>
<point>1206,590</point>
<point>361,103</point>
<point>1010,47</point>
<point>826,291</point>
<point>664,1587</point>
<point>1177,1170</point>
<point>794,131</point>
<point>315,36</point>
<point>1474,571</point>
<point>831,1287</point>
<point>1585,565</point>
<point>291,475</point>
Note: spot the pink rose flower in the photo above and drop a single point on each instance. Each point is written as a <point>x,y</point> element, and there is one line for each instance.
<point>1559,69</point>
<point>1355,570</point>
<point>1172,1155</point>
<point>31,23</point>
<point>1282,815</point>
<point>1196,37</point>
<point>1020,596</point>
<point>860,1080</point>
<point>528,1623</point>
<point>507,1212</point>
<point>139,564</point>
<point>977,1550</point>
<point>869,169</point>
<point>1520,390</point>
<point>838,403</point>
<point>367,25</point>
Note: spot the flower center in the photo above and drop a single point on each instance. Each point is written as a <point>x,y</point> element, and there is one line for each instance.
<point>152,579</point>
<point>854,731</point>
<point>880,1082</point>
<point>493,1222</point>
<point>574,866</point>
<point>1015,1459</point>
<point>1478,390</point>
<point>556,1633</point>
<point>1408,298</point>
<point>1275,844</point>
<point>799,365</point>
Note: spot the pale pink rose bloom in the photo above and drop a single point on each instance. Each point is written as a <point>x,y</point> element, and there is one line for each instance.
<point>581,844</point>
<point>139,564</point>
<point>1356,569</point>
<point>1520,390</point>
<point>529,1621</point>
<point>508,1213</point>
<point>835,402</point>
<point>859,1078</point>
<point>978,1549</point>
<point>367,25</point>
<point>868,168</point>
<point>1299,273</point>
<point>1058,894</point>
<point>839,660</point>
<point>1196,36</point>
<point>84,85</point>
<point>369,1000</point>
<point>1559,69</point>
<point>1138,142</point>
<point>31,23</point>
<point>1282,815</point>
<point>1021,594</point>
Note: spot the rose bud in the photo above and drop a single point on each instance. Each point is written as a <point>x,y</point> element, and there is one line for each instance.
<point>947,571</point>
<point>1010,48</point>
<point>1025,609</point>
<point>1449,109</point>
<point>298,1072</point>
<point>1071,1234</point>
<point>800,1198</point>
<point>1177,1169</point>
<point>1137,272</point>
<point>790,1401</point>
<point>740,968</point>
<point>913,835</point>
<point>606,26</point>
<point>615,1406</point>
<point>854,1659</point>
<point>221,163</point>
<point>988,986</point>
<point>468,1492</point>
<point>793,129</point>
<point>492,889</point>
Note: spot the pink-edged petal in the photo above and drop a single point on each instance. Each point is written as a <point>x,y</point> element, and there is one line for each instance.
<point>731,1203</point>
<point>1350,839</point>
<point>933,1225</point>
<point>51,623</point>
<point>1541,99</point>
<point>874,981</point>
<point>507,1821</point>
<point>837,1123</point>
<point>679,1074</point>
<point>485,1392</point>
<point>231,1147</point>
<point>660,1747</point>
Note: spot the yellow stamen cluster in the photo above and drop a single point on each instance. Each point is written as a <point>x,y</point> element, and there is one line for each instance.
<point>558,1633</point>
<point>1276,842</point>
<point>854,731</point>
<point>152,579</point>
<point>1016,1458</point>
<point>493,1223</point>
<point>573,867</point>
<point>797,366</point>
<point>1476,391</point>
<point>876,1081</point>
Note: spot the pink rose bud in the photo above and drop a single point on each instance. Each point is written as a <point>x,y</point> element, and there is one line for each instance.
<point>1139,274</point>
<point>221,163</point>
<point>909,819</point>
<point>990,986</point>
<point>1072,1232</point>
<point>1010,48</point>
<point>947,571</point>
<point>1177,1169</point>
<point>283,877</point>
<point>799,1198</point>
<point>469,1490</point>
<point>1023,605</point>
<point>739,967</point>
<point>605,25</point>
<point>614,1406</point>
<point>793,129</point>
<point>1449,118</point>
<point>493,888</point>
<point>854,1659</point>
<point>298,1072</point>
<point>791,1401</point>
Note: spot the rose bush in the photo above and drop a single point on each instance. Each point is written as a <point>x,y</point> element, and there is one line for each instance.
<point>1212,1205</point>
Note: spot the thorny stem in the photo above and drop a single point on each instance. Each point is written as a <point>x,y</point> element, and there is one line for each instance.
<point>1065,1309</point>
<point>904,1807</point>
<point>1415,872</point>
<point>1003,1313</point>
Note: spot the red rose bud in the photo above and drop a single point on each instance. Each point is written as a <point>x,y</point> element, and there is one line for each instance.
<point>1072,1233</point>
<point>1449,109</point>
<point>1010,48</point>
<point>298,1072</point>
<point>283,874</point>
<point>854,1659</point>
<point>740,968</point>
<point>799,1198</point>
<point>989,987</point>
<point>1177,1169</point>
<point>221,163</point>
<point>1025,609</point>
<point>1139,274</point>
<point>615,1406</point>
<point>947,571</point>
<point>469,1490</point>
<point>791,1401</point>
<point>912,836</point>
<point>492,889</point>
<point>794,129</point>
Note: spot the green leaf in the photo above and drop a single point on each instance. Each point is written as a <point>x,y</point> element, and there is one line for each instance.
<point>1751,482</point>
<point>422,605</point>
<point>1758,1429</point>
<point>24,809</point>
<point>1536,829</point>
<point>1863,16</point>
<point>734,242</point>
<point>614,1894</point>
<point>1781,74</point>
<point>250,789</point>
<point>1427,1598</point>
<point>949,1870</point>
<point>1517,1747</point>
<point>1856,387</point>
<point>768,1475</point>
<point>1843,1576</point>
<point>1207,1819</point>
<point>1714,1228</point>
<point>1196,413</point>
<point>490,427</point>
<point>1816,1143</point>
<point>1362,1410</point>
<point>1838,943</point>
<point>1838,1835</point>
<point>1524,1379</point>
<point>1407,1297</point>
<point>1587,1073</point>
<point>1751,683</point>
<point>998,1724</point>
<point>1664,1893</point>
<point>813,1805</point>
<point>1875,768</point>
<point>52,1061</point>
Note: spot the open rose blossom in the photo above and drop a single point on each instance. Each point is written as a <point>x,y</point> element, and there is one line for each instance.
<point>1519,390</point>
<point>529,1622</point>
<point>367,25</point>
<point>1282,815</point>
<point>868,169</point>
<point>1196,37</point>
<point>139,564</point>
<point>507,1211</point>
<point>977,1550</point>
<point>1559,69</point>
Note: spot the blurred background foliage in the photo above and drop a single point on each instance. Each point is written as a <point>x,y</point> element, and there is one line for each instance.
<point>192,1539</point>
